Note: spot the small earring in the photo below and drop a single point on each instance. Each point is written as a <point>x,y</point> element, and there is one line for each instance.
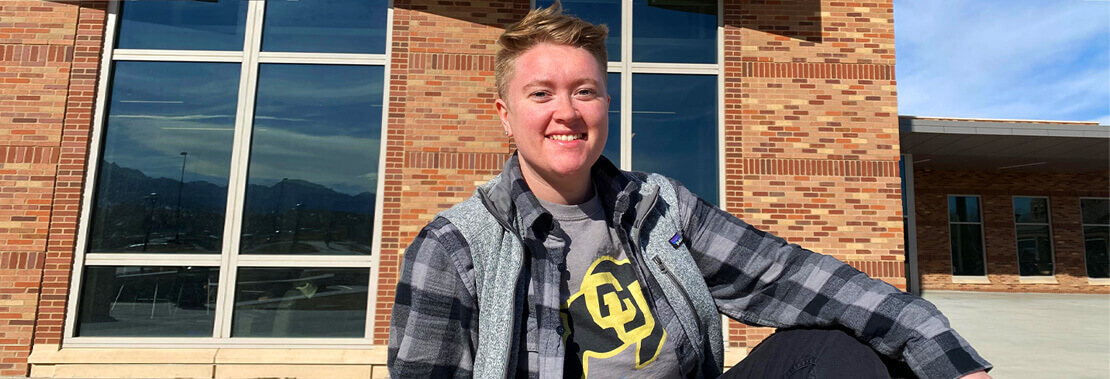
<point>506,132</point>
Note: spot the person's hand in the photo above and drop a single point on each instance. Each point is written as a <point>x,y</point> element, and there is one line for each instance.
<point>976,375</point>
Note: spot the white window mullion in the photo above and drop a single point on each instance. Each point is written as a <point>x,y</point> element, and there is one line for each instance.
<point>85,221</point>
<point>626,85</point>
<point>379,199</point>
<point>324,58</point>
<point>177,55</point>
<point>240,155</point>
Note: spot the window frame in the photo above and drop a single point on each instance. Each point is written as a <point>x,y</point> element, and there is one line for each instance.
<point>627,68</point>
<point>229,261</point>
<point>982,241</point>
<point>1082,228</point>
<point>1051,241</point>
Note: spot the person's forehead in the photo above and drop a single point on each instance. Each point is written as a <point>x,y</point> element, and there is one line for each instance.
<point>549,61</point>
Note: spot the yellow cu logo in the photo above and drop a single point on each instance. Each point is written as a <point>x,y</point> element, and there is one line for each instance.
<point>611,313</point>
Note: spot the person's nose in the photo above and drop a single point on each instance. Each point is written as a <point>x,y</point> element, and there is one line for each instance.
<point>566,111</point>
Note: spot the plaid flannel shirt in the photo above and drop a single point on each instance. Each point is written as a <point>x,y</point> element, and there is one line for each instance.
<point>755,278</point>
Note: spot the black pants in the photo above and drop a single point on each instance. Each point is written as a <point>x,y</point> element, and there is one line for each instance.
<point>815,353</point>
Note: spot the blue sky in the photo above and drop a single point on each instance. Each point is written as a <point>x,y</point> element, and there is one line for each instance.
<point>1012,59</point>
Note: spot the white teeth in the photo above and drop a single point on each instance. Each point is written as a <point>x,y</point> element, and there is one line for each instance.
<point>566,137</point>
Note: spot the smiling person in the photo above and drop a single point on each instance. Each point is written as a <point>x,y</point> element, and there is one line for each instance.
<point>565,266</point>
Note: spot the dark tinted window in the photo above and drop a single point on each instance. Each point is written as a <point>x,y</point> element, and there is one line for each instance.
<point>325,26</point>
<point>674,129</point>
<point>301,302</point>
<point>963,209</point>
<point>613,143</point>
<point>606,12</point>
<point>182,25</point>
<point>674,31</point>
<point>967,249</point>
<point>147,301</point>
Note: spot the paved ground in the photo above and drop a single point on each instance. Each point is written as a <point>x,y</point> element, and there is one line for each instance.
<point>1033,335</point>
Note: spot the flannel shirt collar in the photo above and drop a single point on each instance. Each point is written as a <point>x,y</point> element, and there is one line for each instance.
<point>514,200</point>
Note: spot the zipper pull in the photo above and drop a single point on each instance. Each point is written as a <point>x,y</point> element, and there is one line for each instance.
<point>659,261</point>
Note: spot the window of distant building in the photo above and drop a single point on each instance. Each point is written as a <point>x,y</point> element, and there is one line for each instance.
<point>1034,236</point>
<point>965,223</point>
<point>1096,234</point>
<point>667,77</point>
<point>234,180</point>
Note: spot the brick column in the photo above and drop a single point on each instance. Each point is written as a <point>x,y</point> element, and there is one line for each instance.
<point>811,131</point>
<point>49,56</point>
<point>444,134</point>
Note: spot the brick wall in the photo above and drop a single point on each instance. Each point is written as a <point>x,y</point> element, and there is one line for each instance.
<point>49,55</point>
<point>996,191</point>
<point>444,134</point>
<point>811,131</point>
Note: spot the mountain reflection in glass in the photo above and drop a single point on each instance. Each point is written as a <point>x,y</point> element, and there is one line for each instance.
<point>314,160</point>
<point>162,183</point>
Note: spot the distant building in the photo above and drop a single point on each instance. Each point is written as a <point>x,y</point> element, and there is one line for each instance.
<point>226,188</point>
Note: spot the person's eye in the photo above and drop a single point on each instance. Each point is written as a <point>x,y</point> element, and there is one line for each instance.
<point>587,92</point>
<point>540,95</point>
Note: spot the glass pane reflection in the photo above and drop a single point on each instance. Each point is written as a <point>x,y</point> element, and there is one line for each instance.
<point>963,209</point>
<point>1097,248</point>
<point>1095,211</point>
<point>674,31</point>
<point>1034,250</point>
<point>325,26</point>
<point>301,302</point>
<point>182,25</point>
<point>147,301</point>
<point>162,184</point>
<point>674,125</point>
<point>314,160</point>
<point>612,148</point>
<point>606,12</point>
<point>1031,210</point>
<point>967,250</point>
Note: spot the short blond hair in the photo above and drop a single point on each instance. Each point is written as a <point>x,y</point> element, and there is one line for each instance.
<point>547,25</point>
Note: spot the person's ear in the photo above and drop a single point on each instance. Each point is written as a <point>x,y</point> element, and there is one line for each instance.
<point>503,113</point>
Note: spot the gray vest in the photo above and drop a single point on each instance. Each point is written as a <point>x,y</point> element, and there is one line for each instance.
<point>498,260</point>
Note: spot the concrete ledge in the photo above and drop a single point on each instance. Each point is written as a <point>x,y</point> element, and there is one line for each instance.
<point>734,355</point>
<point>971,280</point>
<point>294,371</point>
<point>1037,280</point>
<point>130,371</point>
<point>1098,281</point>
<point>47,355</point>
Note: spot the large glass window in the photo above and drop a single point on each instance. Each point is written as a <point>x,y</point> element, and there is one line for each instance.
<point>668,119</point>
<point>1034,237</point>
<point>1096,236</point>
<point>229,167</point>
<point>965,224</point>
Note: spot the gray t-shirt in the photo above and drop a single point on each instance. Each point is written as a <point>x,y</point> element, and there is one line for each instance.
<point>612,329</point>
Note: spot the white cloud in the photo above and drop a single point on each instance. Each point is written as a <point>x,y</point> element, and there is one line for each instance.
<point>1004,59</point>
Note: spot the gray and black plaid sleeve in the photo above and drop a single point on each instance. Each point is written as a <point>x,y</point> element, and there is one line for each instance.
<point>433,331</point>
<point>760,279</point>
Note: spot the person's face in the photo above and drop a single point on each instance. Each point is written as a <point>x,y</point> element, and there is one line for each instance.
<point>556,108</point>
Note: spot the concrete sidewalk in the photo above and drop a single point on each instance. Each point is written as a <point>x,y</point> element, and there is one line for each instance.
<point>1033,335</point>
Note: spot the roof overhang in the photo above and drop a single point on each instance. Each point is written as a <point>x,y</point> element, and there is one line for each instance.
<point>1005,145</point>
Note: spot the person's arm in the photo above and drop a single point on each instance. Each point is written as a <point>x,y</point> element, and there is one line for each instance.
<point>433,331</point>
<point>759,279</point>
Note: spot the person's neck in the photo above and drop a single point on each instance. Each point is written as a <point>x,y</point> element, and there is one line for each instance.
<point>563,190</point>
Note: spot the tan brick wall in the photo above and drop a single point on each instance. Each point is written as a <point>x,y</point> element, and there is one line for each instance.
<point>996,191</point>
<point>444,134</point>
<point>811,131</point>
<point>49,56</point>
